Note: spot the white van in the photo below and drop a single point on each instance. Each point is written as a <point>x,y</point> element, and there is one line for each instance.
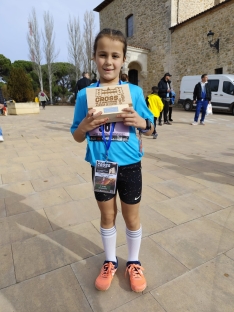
<point>222,88</point>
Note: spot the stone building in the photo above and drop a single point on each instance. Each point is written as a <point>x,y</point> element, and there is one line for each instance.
<point>171,36</point>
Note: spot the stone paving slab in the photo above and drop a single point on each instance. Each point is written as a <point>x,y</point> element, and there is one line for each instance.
<point>230,253</point>
<point>143,303</point>
<point>56,291</point>
<point>196,242</point>
<point>214,197</point>
<point>74,212</point>
<point>51,250</point>
<point>20,188</point>
<point>2,208</point>
<point>19,204</point>
<point>209,287</point>
<point>7,274</point>
<point>23,226</point>
<point>224,218</point>
<point>177,210</point>
<point>45,253</point>
<point>19,176</point>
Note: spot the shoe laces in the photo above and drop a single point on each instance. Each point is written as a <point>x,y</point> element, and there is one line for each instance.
<point>107,269</point>
<point>135,270</point>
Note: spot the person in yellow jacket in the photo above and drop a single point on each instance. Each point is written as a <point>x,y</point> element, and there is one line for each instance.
<point>155,105</point>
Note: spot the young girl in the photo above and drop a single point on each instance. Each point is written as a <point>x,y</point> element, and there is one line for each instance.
<point>109,53</point>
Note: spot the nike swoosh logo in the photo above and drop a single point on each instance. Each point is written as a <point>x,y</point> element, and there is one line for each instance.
<point>136,198</point>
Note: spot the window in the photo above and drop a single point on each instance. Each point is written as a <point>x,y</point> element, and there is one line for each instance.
<point>218,71</point>
<point>228,87</point>
<point>214,85</point>
<point>129,26</point>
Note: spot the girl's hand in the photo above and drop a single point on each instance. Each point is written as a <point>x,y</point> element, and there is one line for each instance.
<point>131,118</point>
<point>91,122</point>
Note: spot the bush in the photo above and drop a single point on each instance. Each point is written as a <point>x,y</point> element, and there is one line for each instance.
<point>19,86</point>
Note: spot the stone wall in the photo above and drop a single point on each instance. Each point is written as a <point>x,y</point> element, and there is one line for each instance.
<point>184,9</point>
<point>182,52</point>
<point>151,31</point>
<point>191,53</point>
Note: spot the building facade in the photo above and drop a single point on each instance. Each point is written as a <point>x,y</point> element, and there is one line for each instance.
<point>171,36</point>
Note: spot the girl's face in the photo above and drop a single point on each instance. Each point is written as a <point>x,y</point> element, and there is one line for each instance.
<point>109,59</point>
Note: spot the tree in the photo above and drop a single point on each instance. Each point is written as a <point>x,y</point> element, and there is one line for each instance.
<point>49,48</point>
<point>19,86</point>
<point>64,78</point>
<point>5,66</point>
<point>29,69</point>
<point>75,45</point>
<point>88,41</point>
<point>26,65</point>
<point>33,38</point>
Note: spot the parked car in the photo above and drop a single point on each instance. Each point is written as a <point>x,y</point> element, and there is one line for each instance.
<point>222,88</point>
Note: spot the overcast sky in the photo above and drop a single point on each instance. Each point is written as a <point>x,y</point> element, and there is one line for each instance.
<point>14,16</point>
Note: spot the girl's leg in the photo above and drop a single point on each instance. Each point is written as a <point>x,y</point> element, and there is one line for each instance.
<point>133,230</point>
<point>133,235</point>
<point>108,211</point>
<point>155,119</point>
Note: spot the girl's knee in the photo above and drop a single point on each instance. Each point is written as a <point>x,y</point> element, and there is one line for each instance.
<point>133,223</point>
<point>108,220</point>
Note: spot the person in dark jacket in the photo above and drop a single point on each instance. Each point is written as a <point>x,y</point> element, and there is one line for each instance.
<point>164,90</point>
<point>201,95</point>
<point>1,107</point>
<point>82,83</point>
<point>124,77</point>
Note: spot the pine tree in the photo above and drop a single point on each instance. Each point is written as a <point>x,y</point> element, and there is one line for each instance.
<point>19,86</point>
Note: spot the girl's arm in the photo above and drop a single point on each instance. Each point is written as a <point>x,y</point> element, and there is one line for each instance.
<point>89,123</point>
<point>131,118</point>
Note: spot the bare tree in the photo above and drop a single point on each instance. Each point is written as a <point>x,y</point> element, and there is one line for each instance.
<point>34,38</point>
<point>49,48</point>
<point>88,40</point>
<point>75,45</point>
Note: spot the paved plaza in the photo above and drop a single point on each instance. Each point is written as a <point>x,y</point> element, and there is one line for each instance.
<point>50,247</point>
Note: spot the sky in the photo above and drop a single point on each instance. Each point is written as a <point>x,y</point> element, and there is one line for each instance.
<point>14,16</point>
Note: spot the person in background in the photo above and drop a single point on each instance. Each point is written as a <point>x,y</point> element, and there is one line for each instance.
<point>155,105</point>
<point>164,90</point>
<point>201,95</point>
<point>36,100</point>
<point>124,77</point>
<point>43,98</point>
<point>172,102</point>
<point>82,83</point>
<point>1,107</point>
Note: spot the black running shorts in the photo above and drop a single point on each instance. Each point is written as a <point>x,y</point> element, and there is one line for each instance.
<point>129,185</point>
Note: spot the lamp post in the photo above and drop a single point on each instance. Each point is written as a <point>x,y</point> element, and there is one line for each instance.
<point>210,37</point>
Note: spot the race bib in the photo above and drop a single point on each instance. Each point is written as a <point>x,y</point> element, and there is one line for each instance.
<point>105,177</point>
<point>120,132</point>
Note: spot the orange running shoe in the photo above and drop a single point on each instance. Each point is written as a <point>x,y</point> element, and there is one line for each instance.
<point>104,279</point>
<point>137,279</point>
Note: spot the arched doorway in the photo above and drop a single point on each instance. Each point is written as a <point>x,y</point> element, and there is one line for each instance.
<point>134,73</point>
<point>133,76</point>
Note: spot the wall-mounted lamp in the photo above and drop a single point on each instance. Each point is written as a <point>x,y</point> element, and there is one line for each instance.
<point>215,45</point>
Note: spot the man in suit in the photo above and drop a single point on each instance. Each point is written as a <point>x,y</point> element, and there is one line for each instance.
<point>201,95</point>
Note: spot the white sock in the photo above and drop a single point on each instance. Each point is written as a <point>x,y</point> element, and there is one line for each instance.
<point>134,243</point>
<point>109,243</point>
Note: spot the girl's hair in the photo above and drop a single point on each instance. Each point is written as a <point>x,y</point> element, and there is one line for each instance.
<point>112,34</point>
